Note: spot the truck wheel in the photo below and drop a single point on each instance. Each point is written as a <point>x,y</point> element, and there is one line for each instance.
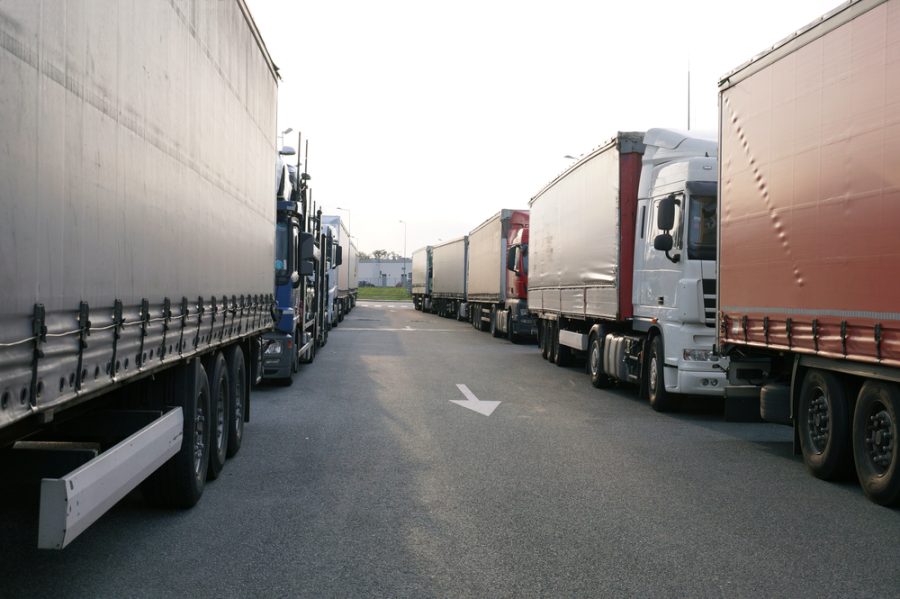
<point>513,338</point>
<point>599,379</point>
<point>546,345</point>
<point>563,352</point>
<point>179,482</point>
<point>660,399</point>
<point>309,355</point>
<point>495,331</point>
<point>554,340</point>
<point>237,373</point>
<point>875,441</point>
<point>219,402</point>
<point>823,421</point>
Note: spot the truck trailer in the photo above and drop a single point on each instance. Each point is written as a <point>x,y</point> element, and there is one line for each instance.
<point>497,276</point>
<point>622,264</point>
<point>448,280</point>
<point>347,278</point>
<point>422,278</point>
<point>808,300</point>
<point>136,271</point>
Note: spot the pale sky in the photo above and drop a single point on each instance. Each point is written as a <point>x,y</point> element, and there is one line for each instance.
<point>442,113</point>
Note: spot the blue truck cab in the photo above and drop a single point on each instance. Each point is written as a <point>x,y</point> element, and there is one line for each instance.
<point>297,262</point>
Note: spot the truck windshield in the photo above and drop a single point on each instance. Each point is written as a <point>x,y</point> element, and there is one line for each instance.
<point>282,245</point>
<point>702,228</point>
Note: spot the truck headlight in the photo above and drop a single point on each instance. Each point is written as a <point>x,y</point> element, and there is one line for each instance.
<point>700,355</point>
<point>273,348</point>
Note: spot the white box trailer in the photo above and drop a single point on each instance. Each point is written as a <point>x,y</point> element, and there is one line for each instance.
<point>422,278</point>
<point>497,277</point>
<point>448,287</point>
<point>136,243</point>
<point>347,271</point>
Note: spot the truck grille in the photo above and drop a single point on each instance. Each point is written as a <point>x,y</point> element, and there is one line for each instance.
<point>709,301</point>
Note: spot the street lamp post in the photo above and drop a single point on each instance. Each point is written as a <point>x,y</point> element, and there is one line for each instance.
<point>281,137</point>
<point>348,215</point>
<point>403,257</point>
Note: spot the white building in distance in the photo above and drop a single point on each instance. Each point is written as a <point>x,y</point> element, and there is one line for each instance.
<point>385,272</point>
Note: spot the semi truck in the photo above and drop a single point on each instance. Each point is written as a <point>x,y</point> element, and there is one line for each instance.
<point>622,266</point>
<point>448,278</point>
<point>347,273</point>
<point>497,276</point>
<point>136,271</point>
<point>808,301</point>
<point>299,277</point>
<point>422,278</point>
<point>334,260</point>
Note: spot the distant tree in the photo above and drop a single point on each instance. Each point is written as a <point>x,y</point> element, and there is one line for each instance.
<point>363,256</point>
<point>379,254</point>
<point>394,256</point>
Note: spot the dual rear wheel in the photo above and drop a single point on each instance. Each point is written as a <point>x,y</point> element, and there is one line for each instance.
<point>213,395</point>
<point>835,436</point>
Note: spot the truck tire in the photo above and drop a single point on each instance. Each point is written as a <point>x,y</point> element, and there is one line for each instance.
<point>495,331</point>
<point>599,379</point>
<point>219,402</point>
<point>554,340</point>
<point>823,421</point>
<point>179,482</point>
<point>545,339</point>
<point>510,332</point>
<point>660,399</point>
<point>563,352</point>
<point>309,355</point>
<point>240,395</point>
<point>876,442</point>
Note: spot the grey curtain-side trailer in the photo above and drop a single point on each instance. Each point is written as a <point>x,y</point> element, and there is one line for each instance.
<point>136,247</point>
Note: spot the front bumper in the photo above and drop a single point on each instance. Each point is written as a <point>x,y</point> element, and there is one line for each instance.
<point>708,381</point>
<point>278,366</point>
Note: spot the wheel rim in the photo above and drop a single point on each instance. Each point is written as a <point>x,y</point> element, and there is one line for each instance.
<point>818,420</point>
<point>879,437</point>
<point>221,418</point>
<point>239,404</point>
<point>199,434</point>
<point>654,373</point>
<point>595,358</point>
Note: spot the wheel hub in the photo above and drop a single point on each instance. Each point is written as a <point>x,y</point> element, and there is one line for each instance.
<point>653,373</point>
<point>879,439</point>
<point>595,360</point>
<point>199,427</point>
<point>819,422</point>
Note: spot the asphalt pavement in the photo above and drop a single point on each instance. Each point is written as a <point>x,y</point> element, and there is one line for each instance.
<point>373,476</point>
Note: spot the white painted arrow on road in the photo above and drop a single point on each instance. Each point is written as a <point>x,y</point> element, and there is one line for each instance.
<point>473,403</point>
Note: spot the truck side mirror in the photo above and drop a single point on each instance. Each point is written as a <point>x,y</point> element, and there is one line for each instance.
<point>511,257</point>
<point>295,280</point>
<point>307,253</point>
<point>663,242</point>
<point>665,219</point>
<point>338,255</point>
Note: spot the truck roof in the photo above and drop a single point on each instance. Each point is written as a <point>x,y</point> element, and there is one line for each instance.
<point>625,141</point>
<point>261,44</point>
<point>803,36</point>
